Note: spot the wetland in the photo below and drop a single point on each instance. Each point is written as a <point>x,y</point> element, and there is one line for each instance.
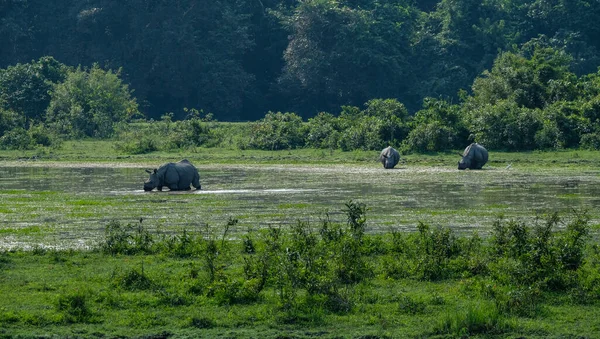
<point>68,205</point>
<point>85,252</point>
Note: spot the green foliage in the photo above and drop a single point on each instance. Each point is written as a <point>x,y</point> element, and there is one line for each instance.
<point>277,131</point>
<point>536,77</point>
<point>474,319</point>
<point>531,100</point>
<point>328,38</point>
<point>591,141</point>
<point>243,57</point>
<point>292,277</point>
<point>505,126</point>
<point>9,120</point>
<point>17,138</point>
<point>434,250</point>
<point>133,280</point>
<point>323,131</point>
<point>166,134</point>
<point>436,127</point>
<point>531,260</point>
<point>25,88</point>
<point>129,239</point>
<point>75,307</point>
<point>410,305</point>
<point>136,141</point>
<point>89,102</point>
<point>381,123</point>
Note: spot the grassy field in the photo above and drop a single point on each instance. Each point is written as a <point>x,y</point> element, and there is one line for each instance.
<point>103,151</point>
<point>329,281</point>
<point>184,272</point>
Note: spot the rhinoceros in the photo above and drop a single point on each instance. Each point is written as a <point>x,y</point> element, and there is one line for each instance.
<point>474,157</point>
<point>177,176</point>
<point>389,157</point>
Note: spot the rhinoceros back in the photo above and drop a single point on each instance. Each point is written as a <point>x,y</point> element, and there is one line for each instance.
<point>477,155</point>
<point>389,157</point>
<point>179,175</point>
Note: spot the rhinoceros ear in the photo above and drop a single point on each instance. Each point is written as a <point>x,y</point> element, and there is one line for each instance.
<point>155,171</point>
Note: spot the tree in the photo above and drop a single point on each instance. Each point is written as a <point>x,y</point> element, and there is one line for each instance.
<point>24,88</point>
<point>90,102</point>
<point>277,131</point>
<point>341,55</point>
<point>437,126</point>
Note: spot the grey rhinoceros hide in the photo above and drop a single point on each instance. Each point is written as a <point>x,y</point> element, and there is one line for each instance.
<point>177,176</point>
<point>389,157</point>
<point>474,157</point>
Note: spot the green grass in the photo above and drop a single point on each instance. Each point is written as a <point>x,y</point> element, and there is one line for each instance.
<point>78,293</point>
<point>91,294</point>
<point>22,231</point>
<point>104,151</point>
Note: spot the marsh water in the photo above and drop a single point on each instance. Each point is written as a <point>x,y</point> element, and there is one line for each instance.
<point>70,206</point>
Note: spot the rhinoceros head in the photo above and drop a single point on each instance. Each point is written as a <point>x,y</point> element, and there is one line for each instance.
<point>152,182</point>
<point>464,163</point>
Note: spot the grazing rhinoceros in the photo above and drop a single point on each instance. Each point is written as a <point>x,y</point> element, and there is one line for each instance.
<point>389,157</point>
<point>176,176</point>
<point>474,157</point>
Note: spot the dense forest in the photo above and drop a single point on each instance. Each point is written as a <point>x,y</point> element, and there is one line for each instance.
<point>513,74</point>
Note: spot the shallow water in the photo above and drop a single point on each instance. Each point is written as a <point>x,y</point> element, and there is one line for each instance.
<point>69,207</point>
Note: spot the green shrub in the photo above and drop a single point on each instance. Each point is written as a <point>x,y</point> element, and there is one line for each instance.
<point>133,280</point>
<point>201,322</point>
<point>539,255</point>
<point>505,126</point>
<point>228,291</point>
<point>409,305</point>
<point>591,141</point>
<point>434,249</point>
<point>89,102</point>
<point>25,88</point>
<point>323,131</point>
<point>137,142</point>
<point>129,239</point>
<point>277,131</point>
<point>437,126</point>
<point>363,134</point>
<point>43,136</point>
<point>431,137</point>
<point>9,120</point>
<point>17,139</point>
<point>75,307</point>
<point>475,319</point>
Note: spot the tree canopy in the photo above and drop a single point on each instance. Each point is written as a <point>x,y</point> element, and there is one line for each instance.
<point>241,58</point>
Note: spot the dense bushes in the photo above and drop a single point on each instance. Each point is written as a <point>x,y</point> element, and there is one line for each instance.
<point>89,102</point>
<point>277,131</point>
<point>311,268</point>
<point>528,100</point>
<point>45,99</point>
<point>438,126</point>
<point>25,88</point>
<point>144,137</point>
<point>531,100</point>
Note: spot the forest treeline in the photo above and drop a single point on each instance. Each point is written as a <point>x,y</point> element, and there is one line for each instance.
<point>348,74</point>
<point>241,58</point>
